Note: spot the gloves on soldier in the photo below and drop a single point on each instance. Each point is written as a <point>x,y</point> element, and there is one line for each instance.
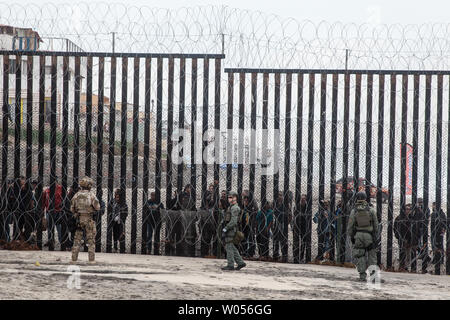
<point>224,230</point>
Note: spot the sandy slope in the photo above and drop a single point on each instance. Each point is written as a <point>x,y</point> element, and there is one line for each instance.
<point>156,277</point>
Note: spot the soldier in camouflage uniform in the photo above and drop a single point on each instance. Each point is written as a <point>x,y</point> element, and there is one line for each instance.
<point>363,228</point>
<point>84,205</point>
<point>229,231</point>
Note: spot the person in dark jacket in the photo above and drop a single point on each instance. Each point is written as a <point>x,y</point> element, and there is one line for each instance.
<point>223,203</point>
<point>333,231</point>
<point>54,208</point>
<point>403,231</point>
<point>208,198</point>
<point>97,217</point>
<point>8,199</point>
<point>36,215</point>
<point>66,233</point>
<point>25,214</point>
<point>120,213</point>
<point>178,234</point>
<point>34,184</point>
<point>323,220</point>
<point>171,223</point>
<point>438,229</point>
<point>299,231</point>
<point>280,228</point>
<point>173,203</point>
<point>14,206</point>
<point>422,218</point>
<point>10,206</point>
<point>186,199</point>
<point>71,227</point>
<point>22,199</point>
<point>208,224</point>
<point>152,218</point>
<point>188,233</point>
<point>264,220</point>
<point>416,235</point>
<point>248,225</point>
<point>224,199</point>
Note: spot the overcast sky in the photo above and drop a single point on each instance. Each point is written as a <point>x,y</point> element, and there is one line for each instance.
<point>358,11</point>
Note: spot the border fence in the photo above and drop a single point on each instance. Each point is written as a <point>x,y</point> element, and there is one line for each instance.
<point>196,130</point>
<point>62,142</point>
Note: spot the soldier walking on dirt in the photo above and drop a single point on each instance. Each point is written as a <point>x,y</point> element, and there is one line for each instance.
<point>229,232</point>
<point>84,205</point>
<point>363,228</point>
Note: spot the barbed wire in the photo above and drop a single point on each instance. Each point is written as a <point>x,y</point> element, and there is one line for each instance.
<point>248,38</point>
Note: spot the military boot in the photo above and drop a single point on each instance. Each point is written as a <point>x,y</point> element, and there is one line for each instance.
<point>92,257</point>
<point>363,277</point>
<point>239,267</point>
<point>74,255</point>
<point>230,268</point>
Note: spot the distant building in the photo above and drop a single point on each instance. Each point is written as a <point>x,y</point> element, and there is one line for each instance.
<point>22,39</point>
<point>25,40</point>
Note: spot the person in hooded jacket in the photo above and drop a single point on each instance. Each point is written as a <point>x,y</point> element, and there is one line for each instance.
<point>323,220</point>
<point>403,231</point>
<point>438,229</point>
<point>248,225</point>
<point>280,228</point>
<point>120,214</point>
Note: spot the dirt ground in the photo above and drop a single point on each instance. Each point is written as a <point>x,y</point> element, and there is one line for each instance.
<point>44,275</point>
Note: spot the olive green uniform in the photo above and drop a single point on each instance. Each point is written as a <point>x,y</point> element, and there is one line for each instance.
<point>231,220</point>
<point>363,228</point>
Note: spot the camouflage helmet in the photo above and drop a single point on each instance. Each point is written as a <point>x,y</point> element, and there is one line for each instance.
<point>232,194</point>
<point>361,196</point>
<point>86,183</point>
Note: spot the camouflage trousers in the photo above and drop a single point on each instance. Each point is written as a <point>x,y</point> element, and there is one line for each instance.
<point>364,258</point>
<point>233,255</point>
<point>88,225</point>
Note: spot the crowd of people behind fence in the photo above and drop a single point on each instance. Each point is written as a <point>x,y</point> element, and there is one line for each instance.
<point>415,228</point>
